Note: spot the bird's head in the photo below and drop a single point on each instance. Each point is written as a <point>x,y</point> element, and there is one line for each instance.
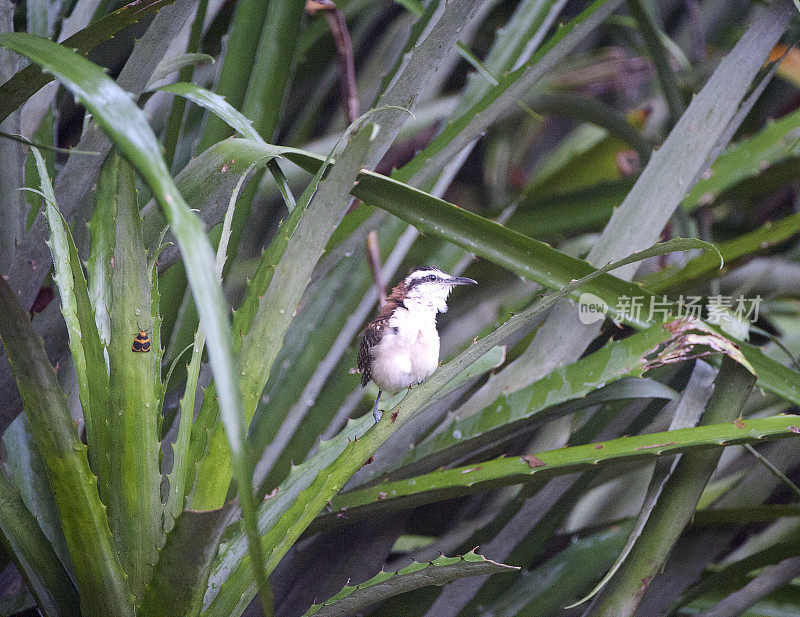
<point>428,288</point>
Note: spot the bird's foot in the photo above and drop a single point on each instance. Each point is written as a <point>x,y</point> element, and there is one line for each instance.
<point>377,413</point>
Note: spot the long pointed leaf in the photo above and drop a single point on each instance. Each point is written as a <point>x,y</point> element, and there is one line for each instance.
<point>275,309</point>
<point>179,581</point>
<point>26,82</point>
<point>445,484</point>
<point>85,345</point>
<point>28,473</point>
<point>413,576</point>
<point>134,506</point>
<point>128,129</point>
<point>98,572</point>
<point>34,557</point>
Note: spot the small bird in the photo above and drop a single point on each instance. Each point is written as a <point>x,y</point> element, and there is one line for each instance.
<point>400,348</point>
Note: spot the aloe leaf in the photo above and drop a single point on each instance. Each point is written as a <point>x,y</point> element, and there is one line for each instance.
<point>448,483</point>
<point>272,65</point>
<point>352,599</point>
<point>149,50</point>
<point>284,518</point>
<point>182,570</point>
<point>88,352</point>
<point>745,159</point>
<point>34,557</point>
<point>101,250</point>
<point>177,476</point>
<point>26,82</point>
<point>217,105</point>
<point>128,128</point>
<point>491,360</point>
<point>168,66</point>
<point>27,472</point>
<point>699,269</point>
<point>98,572</point>
<point>678,499</point>
<point>545,590</point>
<point>134,506</point>
<point>232,552</point>
<point>461,436</point>
<point>299,249</point>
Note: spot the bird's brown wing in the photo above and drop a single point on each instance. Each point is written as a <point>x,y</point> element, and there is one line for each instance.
<point>369,337</point>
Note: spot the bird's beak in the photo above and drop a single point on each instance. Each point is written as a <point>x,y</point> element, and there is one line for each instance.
<point>461,280</point>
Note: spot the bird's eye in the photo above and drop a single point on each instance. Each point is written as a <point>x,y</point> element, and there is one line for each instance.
<point>430,278</point>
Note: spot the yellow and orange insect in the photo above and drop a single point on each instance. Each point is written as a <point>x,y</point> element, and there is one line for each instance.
<point>141,344</point>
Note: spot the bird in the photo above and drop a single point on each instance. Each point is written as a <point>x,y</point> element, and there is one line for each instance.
<point>400,347</point>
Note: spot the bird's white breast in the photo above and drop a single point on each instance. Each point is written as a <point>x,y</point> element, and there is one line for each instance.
<point>408,353</point>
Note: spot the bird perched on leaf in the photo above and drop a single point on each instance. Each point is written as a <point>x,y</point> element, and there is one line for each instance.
<point>400,347</point>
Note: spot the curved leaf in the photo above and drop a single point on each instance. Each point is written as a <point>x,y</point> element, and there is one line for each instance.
<point>126,125</point>
<point>177,477</point>
<point>217,105</point>
<point>98,572</point>
<point>413,576</point>
<point>26,82</point>
<point>617,359</point>
<point>181,573</point>
<point>34,557</point>
<point>176,63</point>
<point>701,268</point>
<point>86,348</point>
<point>747,158</point>
<point>134,503</point>
<point>448,483</point>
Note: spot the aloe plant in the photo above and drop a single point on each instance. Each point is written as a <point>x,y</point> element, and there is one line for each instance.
<point>186,268</point>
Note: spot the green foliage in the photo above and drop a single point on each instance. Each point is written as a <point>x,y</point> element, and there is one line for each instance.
<point>134,485</point>
<point>387,584</point>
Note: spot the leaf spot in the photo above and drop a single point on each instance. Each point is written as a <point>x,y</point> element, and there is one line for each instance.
<point>533,461</point>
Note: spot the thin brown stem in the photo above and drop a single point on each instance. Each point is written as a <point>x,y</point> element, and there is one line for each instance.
<point>344,53</point>
<point>374,259</point>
